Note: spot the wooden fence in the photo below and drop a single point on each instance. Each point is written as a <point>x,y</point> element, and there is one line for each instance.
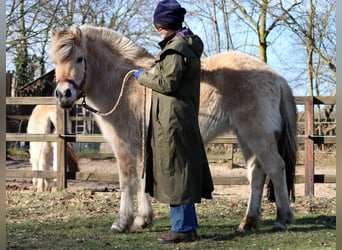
<point>61,138</point>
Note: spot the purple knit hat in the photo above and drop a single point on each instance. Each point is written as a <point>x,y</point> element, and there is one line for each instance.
<point>169,15</point>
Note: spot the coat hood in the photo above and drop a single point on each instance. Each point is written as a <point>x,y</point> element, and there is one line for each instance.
<point>194,43</point>
<point>184,42</point>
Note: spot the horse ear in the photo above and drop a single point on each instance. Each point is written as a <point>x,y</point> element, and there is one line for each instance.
<point>78,33</point>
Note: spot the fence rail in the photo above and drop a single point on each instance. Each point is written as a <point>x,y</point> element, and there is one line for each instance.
<point>61,138</point>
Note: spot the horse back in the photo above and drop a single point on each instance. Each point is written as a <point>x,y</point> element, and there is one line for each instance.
<point>42,118</point>
<point>238,89</point>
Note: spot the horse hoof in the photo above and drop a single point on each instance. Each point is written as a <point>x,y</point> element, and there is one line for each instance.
<point>140,226</point>
<point>249,224</point>
<point>241,230</point>
<point>115,229</point>
<point>245,228</point>
<point>141,222</point>
<point>279,227</point>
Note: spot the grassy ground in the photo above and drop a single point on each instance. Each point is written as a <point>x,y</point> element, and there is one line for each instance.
<point>81,220</point>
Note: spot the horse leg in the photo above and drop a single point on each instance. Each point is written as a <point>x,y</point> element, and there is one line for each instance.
<point>34,159</point>
<point>38,160</point>
<point>127,178</point>
<point>276,173</point>
<point>274,166</point>
<point>45,162</point>
<point>256,177</point>
<point>145,212</point>
<point>43,183</point>
<point>54,160</point>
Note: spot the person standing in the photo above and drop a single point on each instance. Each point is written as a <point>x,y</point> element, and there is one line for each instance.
<point>177,169</point>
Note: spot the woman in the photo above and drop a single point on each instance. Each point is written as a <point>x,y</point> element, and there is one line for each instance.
<point>177,169</point>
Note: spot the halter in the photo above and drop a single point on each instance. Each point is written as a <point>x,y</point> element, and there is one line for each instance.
<point>73,83</point>
<point>98,112</point>
<point>82,95</point>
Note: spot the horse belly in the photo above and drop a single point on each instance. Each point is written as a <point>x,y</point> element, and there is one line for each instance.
<point>213,117</point>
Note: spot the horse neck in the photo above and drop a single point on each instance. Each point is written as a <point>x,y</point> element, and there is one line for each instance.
<point>107,69</point>
<point>105,74</point>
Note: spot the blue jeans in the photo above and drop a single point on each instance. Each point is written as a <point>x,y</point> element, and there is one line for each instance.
<point>183,218</point>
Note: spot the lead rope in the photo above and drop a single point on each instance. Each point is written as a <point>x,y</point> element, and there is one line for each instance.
<point>143,125</point>
<point>143,129</point>
<point>86,106</point>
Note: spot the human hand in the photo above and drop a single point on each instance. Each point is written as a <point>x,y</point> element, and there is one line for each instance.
<point>137,73</point>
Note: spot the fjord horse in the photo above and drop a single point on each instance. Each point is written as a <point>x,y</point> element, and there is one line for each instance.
<point>43,154</point>
<point>238,92</point>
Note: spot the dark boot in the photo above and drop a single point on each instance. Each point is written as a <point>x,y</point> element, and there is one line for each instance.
<point>177,237</point>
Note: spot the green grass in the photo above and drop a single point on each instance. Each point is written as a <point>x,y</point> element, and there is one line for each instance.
<point>81,220</point>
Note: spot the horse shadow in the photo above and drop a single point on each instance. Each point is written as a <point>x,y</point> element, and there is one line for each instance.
<point>304,225</point>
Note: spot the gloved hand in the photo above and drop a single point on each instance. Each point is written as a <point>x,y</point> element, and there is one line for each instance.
<point>137,73</point>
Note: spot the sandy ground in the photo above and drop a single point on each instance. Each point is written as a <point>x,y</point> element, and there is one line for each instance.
<point>327,190</point>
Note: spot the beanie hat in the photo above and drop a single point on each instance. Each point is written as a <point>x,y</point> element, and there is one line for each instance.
<point>169,15</point>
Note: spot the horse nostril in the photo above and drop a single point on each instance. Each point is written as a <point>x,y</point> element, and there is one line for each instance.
<point>68,93</point>
<point>56,93</point>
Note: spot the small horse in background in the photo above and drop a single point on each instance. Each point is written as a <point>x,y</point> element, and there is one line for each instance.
<point>238,92</point>
<point>43,155</point>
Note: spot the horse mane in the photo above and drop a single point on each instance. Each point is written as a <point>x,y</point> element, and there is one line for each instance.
<point>64,40</point>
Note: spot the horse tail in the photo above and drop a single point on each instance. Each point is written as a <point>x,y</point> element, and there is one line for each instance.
<point>71,156</point>
<point>72,159</point>
<point>287,140</point>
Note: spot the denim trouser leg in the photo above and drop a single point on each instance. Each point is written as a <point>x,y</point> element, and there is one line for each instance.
<point>183,218</point>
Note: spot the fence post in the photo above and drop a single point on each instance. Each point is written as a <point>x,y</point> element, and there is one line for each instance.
<point>61,149</point>
<point>309,146</point>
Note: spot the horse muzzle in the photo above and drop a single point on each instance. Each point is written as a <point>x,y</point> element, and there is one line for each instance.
<point>66,95</point>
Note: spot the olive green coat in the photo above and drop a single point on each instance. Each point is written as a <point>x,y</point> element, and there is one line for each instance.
<point>177,171</point>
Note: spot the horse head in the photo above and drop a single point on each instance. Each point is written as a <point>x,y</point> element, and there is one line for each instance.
<point>69,55</point>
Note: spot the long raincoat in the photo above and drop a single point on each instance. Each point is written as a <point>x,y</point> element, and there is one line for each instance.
<point>177,170</point>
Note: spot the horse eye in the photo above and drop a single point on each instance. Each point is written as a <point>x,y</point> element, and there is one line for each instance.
<point>79,59</point>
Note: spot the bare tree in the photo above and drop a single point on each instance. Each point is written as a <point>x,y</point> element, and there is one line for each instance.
<point>315,27</point>
<point>259,16</point>
<point>21,32</point>
<point>211,17</point>
<point>314,24</point>
<point>30,37</point>
<point>257,27</point>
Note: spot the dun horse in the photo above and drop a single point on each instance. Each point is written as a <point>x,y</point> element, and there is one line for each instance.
<point>238,92</point>
<point>43,154</point>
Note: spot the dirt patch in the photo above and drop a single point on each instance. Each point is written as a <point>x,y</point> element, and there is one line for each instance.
<point>326,190</point>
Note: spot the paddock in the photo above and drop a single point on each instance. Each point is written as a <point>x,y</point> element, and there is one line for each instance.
<point>308,177</point>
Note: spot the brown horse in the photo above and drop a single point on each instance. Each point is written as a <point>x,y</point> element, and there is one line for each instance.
<point>238,92</point>
<point>43,154</point>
